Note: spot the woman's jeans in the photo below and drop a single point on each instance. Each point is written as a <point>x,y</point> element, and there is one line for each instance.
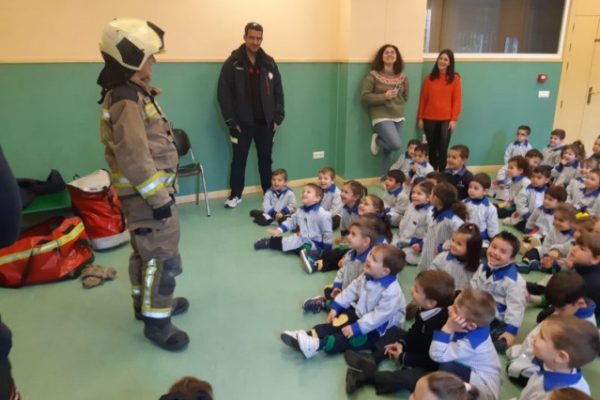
<point>388,140</point>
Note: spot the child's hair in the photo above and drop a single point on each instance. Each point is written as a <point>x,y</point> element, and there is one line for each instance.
<point>448,195</point>
<point>526,128</point>
<point>557,192</point>
<point>436,176</point>
<point>577,337</point>
<point>422,148</point>
<point>328,171</point>
<point>386,229</point>
<point>394,258</point>
<point>560,133</point>
<point>567,211</point>
<point>438,286</point>
<point>534,153</point>
<point>591,241</point>
<point>521,163</point>
<point>356,188</point>
<point>576,147</point>
<point>425,186</point>
<point>474,244</point>
<point>280,171</point>
<point>479,306</point>
<point>446,386</point>
<point>564,288</point>
<point>397,175</point>
<point>590,163</point>
<point>189,388</point>
<point>413,142</point>
<point>370,226</point>
<point>463,150</point>
<point>483,179</point>
<point>586,224</point>
<point>511,239</point>
<point>568,393</point>
<point>545,170</point>
<point>316,188</point>
<point>595,171</point>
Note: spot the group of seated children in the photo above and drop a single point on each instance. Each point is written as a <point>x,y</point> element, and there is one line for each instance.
<point>468,299</point>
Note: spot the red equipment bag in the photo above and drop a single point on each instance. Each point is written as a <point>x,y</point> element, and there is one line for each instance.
<point>98,205</point>
<point>52,250</point>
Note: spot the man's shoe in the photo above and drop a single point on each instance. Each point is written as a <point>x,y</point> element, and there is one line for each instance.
<point>262,244</point>
<point>309,346</point>
<point>180,305</point>
<point>233,202</point>
<point>353,380</point>
<point>374,146</point>
<point>314,304</point>
<point>360,361</point>
<point>164,334</point>
<point>307,261</point>
<point>290,338</point>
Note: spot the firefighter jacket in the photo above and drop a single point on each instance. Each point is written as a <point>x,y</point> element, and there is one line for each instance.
<point>140,150</point>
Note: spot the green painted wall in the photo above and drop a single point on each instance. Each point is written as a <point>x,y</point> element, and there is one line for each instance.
<point>50,115</point>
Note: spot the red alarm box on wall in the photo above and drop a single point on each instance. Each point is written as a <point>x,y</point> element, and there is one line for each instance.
<point>542,78</point>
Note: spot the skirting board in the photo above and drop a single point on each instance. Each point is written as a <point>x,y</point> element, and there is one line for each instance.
<point>222,194</point>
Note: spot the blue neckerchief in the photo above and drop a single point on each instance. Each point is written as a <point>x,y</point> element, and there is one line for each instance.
<point>450,171</point>
<point>593,193</point>
<point>556,380</point>
<point>548,211</point>
<point>354,209</point>
<point>407,156</point>
<point>579,179</point>
<point>331,189</point>
<point>396,191</point>
<point>379,240</point>
<point>423,164</point>
<point>278,193</point>
<point>507,271</point>
<point>568,232</point>
<point>451,257</point>
<point>484,200</point>
<point>586,312</point>
<point>475,337</point>
<point>311,207</point>
<point>557,148</point>
<point>426,206</point>
<point>384,281</point>
<point>518,178</point>
<point>361,257</point>
<point>538,189</point>
<point>439,216</point>
<point>517,143</point>
<point>560,167</point>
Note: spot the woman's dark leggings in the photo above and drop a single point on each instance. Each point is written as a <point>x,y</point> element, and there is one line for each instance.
<point>438,139</point>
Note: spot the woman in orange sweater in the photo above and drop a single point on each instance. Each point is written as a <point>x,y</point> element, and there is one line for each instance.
<point>439,107</point>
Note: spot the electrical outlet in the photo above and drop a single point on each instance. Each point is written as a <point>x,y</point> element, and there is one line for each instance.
<point>318,154</point>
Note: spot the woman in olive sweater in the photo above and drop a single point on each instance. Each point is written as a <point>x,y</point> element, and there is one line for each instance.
<point>384,92</point>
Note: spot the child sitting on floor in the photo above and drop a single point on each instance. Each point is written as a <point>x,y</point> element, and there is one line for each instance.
<point>531,198</point>
<point>406,158</point>
<point>456,171</point>
<point>568,168</point>
<point>481,211</point>
<point>279,201</point>
<point>540,222</point>
<point>332,199</point>
<point>442,385</point>
<point>362,312</point>
<point>552,152</point>
<point>420,167</point>
<point>395,199</point>
<point>589,199</point>
<point>562,345</point>
<point>463,346</point>
<point>518,172</point>
<point>499,276</point>
<point>519,147</point>
<point>432,292</point>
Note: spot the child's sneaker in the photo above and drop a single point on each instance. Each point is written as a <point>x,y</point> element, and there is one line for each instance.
<point>314,304</point>
<point>309,346</point>
<point>307,261</point>
<point>290,338</point>
<point>262,244</point>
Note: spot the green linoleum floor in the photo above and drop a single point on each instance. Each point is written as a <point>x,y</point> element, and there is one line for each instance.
<point>71,343</point>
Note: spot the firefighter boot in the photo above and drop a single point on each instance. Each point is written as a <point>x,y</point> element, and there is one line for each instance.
<point>164,334</point>
<point>180,305</point>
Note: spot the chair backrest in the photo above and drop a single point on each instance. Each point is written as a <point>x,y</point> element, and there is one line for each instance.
<point>182,142</point>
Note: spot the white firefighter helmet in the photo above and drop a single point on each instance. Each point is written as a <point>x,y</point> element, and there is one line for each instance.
<point>131,41</point>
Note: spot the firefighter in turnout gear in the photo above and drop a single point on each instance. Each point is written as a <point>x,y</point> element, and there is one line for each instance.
<point>142,156</point>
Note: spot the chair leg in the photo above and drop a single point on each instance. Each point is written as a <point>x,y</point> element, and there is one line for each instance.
<point>205,192</point>
<point>197,188</point>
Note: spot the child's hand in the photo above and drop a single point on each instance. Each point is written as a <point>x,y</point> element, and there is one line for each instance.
<point>504,204</point>
<point>278,215</point>
<point>339,240</point>
<point>274,232</point>
<point>455,323</point>
<point>414,167</point>
<point>347,331</point>
<point>546,262</point>
<point>509,337</point>
<point>342,261</point>
<point>335,292</point>
<point>501,186</point>
<point>554,254</point>
<point>331,316</point>
<point>515,215</point>
<point>393,350</point>
<point>416,247</point>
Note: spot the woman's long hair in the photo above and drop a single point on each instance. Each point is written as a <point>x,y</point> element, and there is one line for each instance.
<point>377,64</point>
<point>435,72</point>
